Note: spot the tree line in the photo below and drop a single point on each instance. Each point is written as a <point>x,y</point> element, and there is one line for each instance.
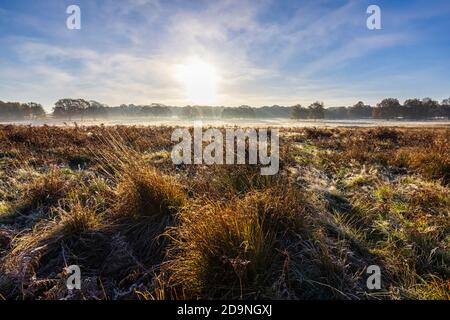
<point>390,108</point>
<point>80,108</point>
<point>17,110</point>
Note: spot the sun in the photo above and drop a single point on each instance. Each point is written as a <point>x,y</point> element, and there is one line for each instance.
<point>199,80</point>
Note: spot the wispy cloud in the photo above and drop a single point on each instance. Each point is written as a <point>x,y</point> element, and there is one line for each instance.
<point>127,51</point>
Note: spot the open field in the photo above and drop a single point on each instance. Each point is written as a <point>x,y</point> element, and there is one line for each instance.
<point>109,199</point>
<point>273,122</point>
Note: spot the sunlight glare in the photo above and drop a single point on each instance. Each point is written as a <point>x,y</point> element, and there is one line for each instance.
<point>199,80</point>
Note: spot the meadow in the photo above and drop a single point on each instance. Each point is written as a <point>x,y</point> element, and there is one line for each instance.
<point>109,199</point>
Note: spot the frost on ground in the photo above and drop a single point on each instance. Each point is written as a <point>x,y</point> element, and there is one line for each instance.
<point>109,199</point>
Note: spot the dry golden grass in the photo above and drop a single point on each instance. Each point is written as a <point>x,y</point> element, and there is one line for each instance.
<point>145,192</point>
<point>233,249</point>
<point>110,200</point>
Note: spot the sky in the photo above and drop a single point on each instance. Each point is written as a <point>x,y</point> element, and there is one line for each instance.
<point>228,53</point>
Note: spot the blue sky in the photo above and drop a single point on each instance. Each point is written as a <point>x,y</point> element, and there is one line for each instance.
<point>263,52</point>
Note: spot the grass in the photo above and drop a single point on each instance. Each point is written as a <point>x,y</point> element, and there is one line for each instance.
<point>145,192</point>
<point>232,250</point>
<point>146,204</point>
<point>110,200</point>
<point>46,190</point>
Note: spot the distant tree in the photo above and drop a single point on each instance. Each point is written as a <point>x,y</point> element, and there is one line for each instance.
<point>432,107</point>
<point>96,109</point>
<point>190,112</point>
<point>274,111</point>
<point>337,113</point>
<point>157,110</point>
<point>445,108</point>
<point>17,110</point>
<point>423,109</point>
<point>359,105</point>
<point>12,110</point>
<point>129,110</point>
<point>387,109</point>
<point>414,109</point>
<point>243,111</point>
<point>36,110</point>
<point>298,112</point>
<point>360,110</point>
<point>316,110</point>
<point>70,107</point>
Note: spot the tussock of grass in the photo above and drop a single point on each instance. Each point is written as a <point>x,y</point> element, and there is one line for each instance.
<point>45,191</point>
<point>239,180</point>
<point>78,220</point>
<point>224,250</point>
<point>433,165</point>
<point>144,192</point>
<point>145,204</point>
<point>73,237</point>
<point>230,250</point>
